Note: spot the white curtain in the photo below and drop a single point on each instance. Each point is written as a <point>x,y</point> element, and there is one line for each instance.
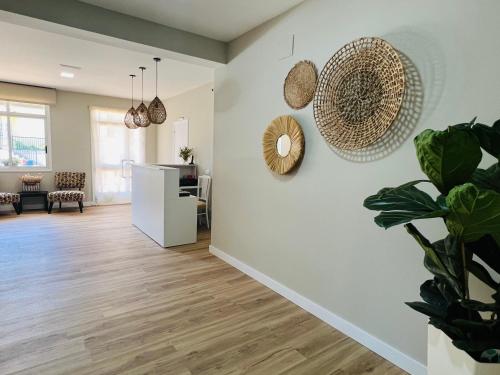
<point>114,149</point>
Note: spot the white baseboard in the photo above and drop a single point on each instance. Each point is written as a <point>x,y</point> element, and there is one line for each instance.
<point>378,346</point>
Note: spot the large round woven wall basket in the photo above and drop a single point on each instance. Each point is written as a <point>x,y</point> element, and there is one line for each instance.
<point>282,157</point>
<point>359,93</point>
<point>300,84</point>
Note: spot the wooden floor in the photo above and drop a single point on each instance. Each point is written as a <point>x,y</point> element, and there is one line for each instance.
<point>90,294</point>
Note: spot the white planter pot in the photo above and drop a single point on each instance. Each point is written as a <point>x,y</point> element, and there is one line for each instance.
<point>443,358</point>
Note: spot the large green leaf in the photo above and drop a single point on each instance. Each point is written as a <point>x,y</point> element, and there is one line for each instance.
<point>448,158</point>
<point>388,219</point>
<point>482,328</point>
<point>452,331</point>
<point>482,274</point>
<point>488,178</point>
<point>430,293</point>
<point>474,213</point>
<point>480,306</point>
<point>449,252</point>
<point>489,138</point>
<point>433,262</point>
<point>496,237</point>
<point>488,250</point>
<point>427,309</point>
<point>403,204</point>
<point>426,246</point>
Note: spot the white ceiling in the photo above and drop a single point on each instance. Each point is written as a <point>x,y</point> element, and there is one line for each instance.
<point>223,20</point>
<point>33,57</point>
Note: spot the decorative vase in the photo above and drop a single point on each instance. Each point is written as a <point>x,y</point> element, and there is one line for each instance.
<point>444,358</point>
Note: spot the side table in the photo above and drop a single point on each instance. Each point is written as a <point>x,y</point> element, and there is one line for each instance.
<point>33,194</point>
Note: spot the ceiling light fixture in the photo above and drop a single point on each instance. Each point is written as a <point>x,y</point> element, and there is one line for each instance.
<point>67,74</point>
<point>129,117</point>
<point>141,118</point>
<point>156,111</point>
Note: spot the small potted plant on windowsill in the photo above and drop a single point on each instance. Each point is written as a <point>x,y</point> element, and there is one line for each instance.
<point>464,333</point>
<point>185,153</point>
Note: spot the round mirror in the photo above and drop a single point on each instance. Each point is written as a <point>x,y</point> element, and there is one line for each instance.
<point>283,145</point>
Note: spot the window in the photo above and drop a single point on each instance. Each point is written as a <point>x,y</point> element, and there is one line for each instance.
<point>24,136</point>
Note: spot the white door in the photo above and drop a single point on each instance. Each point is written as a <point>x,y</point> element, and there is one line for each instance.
<point>181,138</point>
<point>115,148</point>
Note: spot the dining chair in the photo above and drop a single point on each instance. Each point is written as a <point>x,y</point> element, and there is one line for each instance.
<point>203,194</point>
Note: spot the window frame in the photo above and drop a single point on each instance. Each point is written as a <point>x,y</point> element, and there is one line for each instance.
<point>48,146</point>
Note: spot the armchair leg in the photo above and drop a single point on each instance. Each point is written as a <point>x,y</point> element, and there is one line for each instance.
<point>60,204</point>
<point>17,208</point>
<point>51,204</point>
<point>80,204</point>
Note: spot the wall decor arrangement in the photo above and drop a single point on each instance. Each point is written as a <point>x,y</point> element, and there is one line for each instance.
<point>283,144</point>
<point>300,84</point>
<point>359,93</point>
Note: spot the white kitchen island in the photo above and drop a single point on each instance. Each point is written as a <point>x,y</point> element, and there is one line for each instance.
<point>157,209</point>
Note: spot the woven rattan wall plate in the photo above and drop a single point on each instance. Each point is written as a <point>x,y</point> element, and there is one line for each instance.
<point>283,125</point>
<point>300,84</point>
<point>359,93</point>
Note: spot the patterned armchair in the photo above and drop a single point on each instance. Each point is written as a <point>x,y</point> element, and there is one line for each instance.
<point>13,199</point>
<point>65,181</point>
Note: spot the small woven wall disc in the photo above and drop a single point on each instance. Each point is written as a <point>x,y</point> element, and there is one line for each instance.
<point>359,94</point>
<point>300,84</point>
<point>283,125</point>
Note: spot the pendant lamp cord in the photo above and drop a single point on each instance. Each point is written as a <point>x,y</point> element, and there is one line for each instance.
<point>132,76</point>
<point>142,85</point>
<point>156,78</point>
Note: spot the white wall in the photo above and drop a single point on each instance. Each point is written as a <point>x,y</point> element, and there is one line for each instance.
<point>70,137</point>
<point>198,107</point>
<point>309,230</point>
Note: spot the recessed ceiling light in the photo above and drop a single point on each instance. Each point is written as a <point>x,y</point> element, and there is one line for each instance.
<point>67,74</point>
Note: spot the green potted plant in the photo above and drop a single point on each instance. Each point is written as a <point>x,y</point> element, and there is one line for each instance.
<point>185,153</point>
<point>464,333</point>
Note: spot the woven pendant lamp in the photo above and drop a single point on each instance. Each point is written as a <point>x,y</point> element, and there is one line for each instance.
<point>156,112</point>
<point>129,117</point>
<point>141,118</point>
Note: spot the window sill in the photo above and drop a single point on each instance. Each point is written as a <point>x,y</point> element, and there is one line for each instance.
<point>17,170</point>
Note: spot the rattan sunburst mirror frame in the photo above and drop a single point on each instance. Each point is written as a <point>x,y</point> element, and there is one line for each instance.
<point>359,93</point>
<point>283,125</point>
